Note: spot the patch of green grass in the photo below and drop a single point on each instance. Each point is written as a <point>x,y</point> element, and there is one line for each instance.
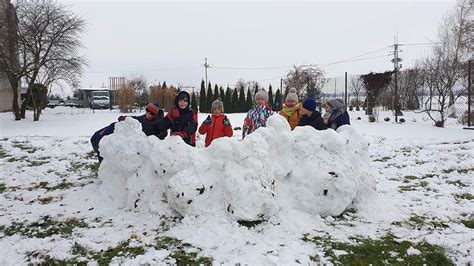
<point>24,146</point>
<point>461,170</point>
<point>457,183</point>
<point>347,212</point>
<point>469,223</point>
<point>63,185</point>
<point>181,251</point>
<point>250,224</point>
<point>383,159</point>
<point>3,188</point>
<point>123,249</point>
<point>38,162</point>
<point>366,251</point>
<point>464,196</point>
<point>44,227</point>
<point>411,177</point>
<point>79,167</point>
<point>48,260</point>
<point>90,155</point>
<point>406,188</point>
<point>417,221</point>
<point>423,184</point>
<point>17,159</point>
<point>428,176</point>
<point>3,153</point>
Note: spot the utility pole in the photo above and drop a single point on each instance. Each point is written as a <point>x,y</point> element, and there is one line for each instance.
<point>469,91</point>
<point>396,67</point>
<point>345,89</point>
<point>206,66</point>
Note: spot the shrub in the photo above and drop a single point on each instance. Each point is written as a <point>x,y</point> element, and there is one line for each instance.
<point>351,108</point>
<point>386,119</point>
<point>371,118</point>
<point>402,120</point>
<point>358,118</point>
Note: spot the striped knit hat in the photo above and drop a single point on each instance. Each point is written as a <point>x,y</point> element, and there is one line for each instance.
<point>153,108</point>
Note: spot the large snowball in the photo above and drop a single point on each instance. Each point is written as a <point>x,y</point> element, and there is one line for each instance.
<point>318,172</point>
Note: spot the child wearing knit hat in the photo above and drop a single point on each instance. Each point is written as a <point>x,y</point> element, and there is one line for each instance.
<point>217,125</point>
<point>310,116</point>
<point>257,116</point>
<point>291,109</point>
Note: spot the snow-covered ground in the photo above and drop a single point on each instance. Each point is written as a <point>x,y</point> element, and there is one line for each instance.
<point>52,208</point>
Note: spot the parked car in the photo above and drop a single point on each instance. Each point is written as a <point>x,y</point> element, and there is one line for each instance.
<point>74,102</point>
<point>100,99</point>
<point>53,103</point>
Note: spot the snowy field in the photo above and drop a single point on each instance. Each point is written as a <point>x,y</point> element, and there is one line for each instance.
<point>53,207</point>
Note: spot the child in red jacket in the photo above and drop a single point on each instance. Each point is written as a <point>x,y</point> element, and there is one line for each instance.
<point>217,125</point>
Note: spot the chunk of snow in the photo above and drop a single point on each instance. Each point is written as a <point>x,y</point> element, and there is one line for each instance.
<point>318,172</point>
<point>413,251</point>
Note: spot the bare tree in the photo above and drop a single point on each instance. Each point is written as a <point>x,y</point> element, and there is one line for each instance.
<point>307,80</point>
<point>443,69</point>
<point>410,83</point>
<point>139,85</point>
<point>48,38</point>
<point>356,87</point>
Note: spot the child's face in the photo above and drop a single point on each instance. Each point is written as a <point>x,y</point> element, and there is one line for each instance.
<point>290,102</point>
<point>217,111</point>
<point>182,104</point>
<point>327,108</point>
<point>259,101</point>
<point>306,112</point>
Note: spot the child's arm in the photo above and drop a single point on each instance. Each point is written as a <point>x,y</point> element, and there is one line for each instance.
<point>205,125</point>
<point>228,132</point>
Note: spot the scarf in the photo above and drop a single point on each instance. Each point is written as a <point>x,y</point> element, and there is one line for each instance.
<point>289,111</point>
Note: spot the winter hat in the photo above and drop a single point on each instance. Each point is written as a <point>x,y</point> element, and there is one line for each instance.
<point>336,103</point>
<point>218,104</point>
<point>182,95</point>
<point>292,95</point>
<point>261,94</point>
<point>153,108</point>
<point>309,105</point>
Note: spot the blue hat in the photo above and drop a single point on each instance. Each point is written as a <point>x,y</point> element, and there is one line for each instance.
<point>309,105</point>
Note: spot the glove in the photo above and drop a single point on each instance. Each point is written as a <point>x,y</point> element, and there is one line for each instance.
<point>226,121</point>
<point>121,118</point>
<point>180,134</point>
<point>208,120</point>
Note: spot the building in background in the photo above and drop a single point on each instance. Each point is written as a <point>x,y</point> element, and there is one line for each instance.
<point>115,83</point>
<point>8,28</point>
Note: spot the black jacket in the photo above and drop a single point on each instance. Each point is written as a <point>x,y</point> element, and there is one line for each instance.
<point>149,127</point>
<point>315,120</point>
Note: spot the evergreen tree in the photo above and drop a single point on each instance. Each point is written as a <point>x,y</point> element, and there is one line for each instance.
<point>228,101</point>
<point>202,98</point>
<point>235,101</point>
<point>270,95</point>
<point>216,92</point>
<point>222,94</point>
<point>194,103</point>
<point>249,102</point>
<point>210,98</point>
<point>164,85</point>
<point>277,106</point>
<point>242,102</point>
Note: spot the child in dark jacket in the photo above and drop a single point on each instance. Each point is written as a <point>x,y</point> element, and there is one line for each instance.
<point>311,116</point>
<point>257,116</point>
<point>337,114</point>
<point>217,125</point>
<point>181,120</point>
<point>150,120</point>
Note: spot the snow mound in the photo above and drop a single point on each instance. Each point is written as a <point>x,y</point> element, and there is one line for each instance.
<point>317,172</point>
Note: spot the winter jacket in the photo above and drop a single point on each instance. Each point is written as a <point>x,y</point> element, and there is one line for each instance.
<point>220,127</point>
<point>338,116</point>
<point>149,127</point>
<point>98,135</point>
<point>180,122</point>
<point>256,117</point>
<point>292,114</point>
<point>315,120</point>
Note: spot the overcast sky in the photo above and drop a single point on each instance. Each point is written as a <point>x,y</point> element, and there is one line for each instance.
<point>169,41</point>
